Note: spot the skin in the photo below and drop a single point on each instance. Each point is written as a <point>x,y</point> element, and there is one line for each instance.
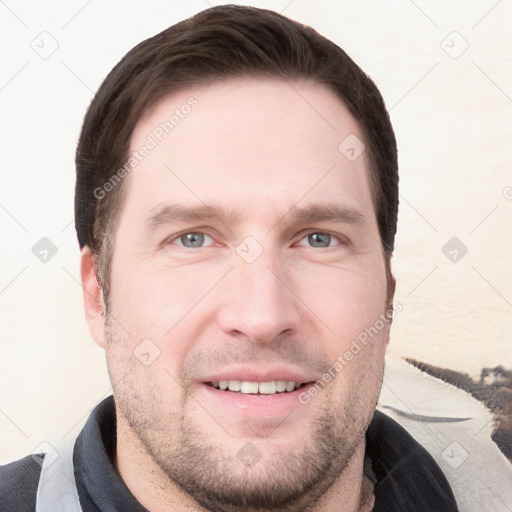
<point>261,152</point>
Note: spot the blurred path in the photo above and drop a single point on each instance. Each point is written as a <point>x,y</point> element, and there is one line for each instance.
<point>456,429</point>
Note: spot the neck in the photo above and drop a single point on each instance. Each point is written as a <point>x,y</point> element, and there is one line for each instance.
<point>351,492</point>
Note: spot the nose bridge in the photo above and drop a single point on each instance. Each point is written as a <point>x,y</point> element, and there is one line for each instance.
<point>264,279</point>
<point>258,302</point>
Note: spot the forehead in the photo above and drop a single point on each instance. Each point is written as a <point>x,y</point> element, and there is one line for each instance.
<point>246,139</point>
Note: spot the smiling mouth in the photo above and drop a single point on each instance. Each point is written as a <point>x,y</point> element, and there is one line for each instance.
<point>257,388</point>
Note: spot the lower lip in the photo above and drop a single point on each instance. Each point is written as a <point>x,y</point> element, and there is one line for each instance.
<point>276,404</point>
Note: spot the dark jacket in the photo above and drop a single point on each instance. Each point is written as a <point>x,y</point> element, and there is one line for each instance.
<point>408,478</point>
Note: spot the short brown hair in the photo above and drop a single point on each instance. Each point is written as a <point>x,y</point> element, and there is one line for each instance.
<point>218,43</point>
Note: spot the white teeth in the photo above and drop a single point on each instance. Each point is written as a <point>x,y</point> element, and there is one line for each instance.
<point>280,386</point>
<point>263,388</point>
<point>249,387</point>
<point>234,385</point>
<point>267,388</point>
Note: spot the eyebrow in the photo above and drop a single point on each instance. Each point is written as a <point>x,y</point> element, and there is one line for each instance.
<point>175,213</point>
<point>329,213</point>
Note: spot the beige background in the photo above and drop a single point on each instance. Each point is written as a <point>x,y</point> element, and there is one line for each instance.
<point>453,119</point>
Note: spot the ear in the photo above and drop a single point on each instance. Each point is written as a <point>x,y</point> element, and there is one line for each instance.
<point>93,297</point>
<point>391,290</point>
<point>390,309</point>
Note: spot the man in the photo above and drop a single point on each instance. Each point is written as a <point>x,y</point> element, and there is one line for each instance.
<point>236,205</point>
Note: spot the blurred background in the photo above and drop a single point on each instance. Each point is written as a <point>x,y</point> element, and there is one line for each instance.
<point>445,71</point>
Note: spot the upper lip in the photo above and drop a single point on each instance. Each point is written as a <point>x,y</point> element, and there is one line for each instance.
<point>252,374</point>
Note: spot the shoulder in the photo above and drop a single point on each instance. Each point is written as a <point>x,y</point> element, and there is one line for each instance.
<point>407,475</point>
<point>18,484</point>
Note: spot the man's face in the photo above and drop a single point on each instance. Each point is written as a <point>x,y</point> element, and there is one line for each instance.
<point>247,251</point>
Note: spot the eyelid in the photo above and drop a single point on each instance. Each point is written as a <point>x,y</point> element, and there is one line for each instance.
<point>343,240</point>
<point>171,240</point>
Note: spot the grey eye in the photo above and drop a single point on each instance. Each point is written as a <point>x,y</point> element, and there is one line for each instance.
<point>192,239</point>
<point>319,239</point>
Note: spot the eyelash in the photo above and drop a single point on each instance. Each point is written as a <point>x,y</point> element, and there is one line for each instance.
<point>332,236</point>
<point>178,238</point>
<point>323,233</point>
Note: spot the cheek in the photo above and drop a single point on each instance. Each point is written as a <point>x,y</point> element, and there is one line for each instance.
<point>167,305</point>
<point>143,371</point>
<point>345,300</point>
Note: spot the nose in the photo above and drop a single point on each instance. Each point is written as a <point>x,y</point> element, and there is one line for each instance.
<point>259,303</point>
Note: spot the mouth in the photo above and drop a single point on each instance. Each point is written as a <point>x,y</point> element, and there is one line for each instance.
<point>248,394</point>
<point>257,388</point>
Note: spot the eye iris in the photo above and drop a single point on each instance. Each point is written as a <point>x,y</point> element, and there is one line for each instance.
<point>319,239</point>
<point>192,240</point>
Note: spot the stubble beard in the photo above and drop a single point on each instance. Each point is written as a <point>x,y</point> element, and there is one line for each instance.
<point>219,481</point>
<point>214,476</point>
